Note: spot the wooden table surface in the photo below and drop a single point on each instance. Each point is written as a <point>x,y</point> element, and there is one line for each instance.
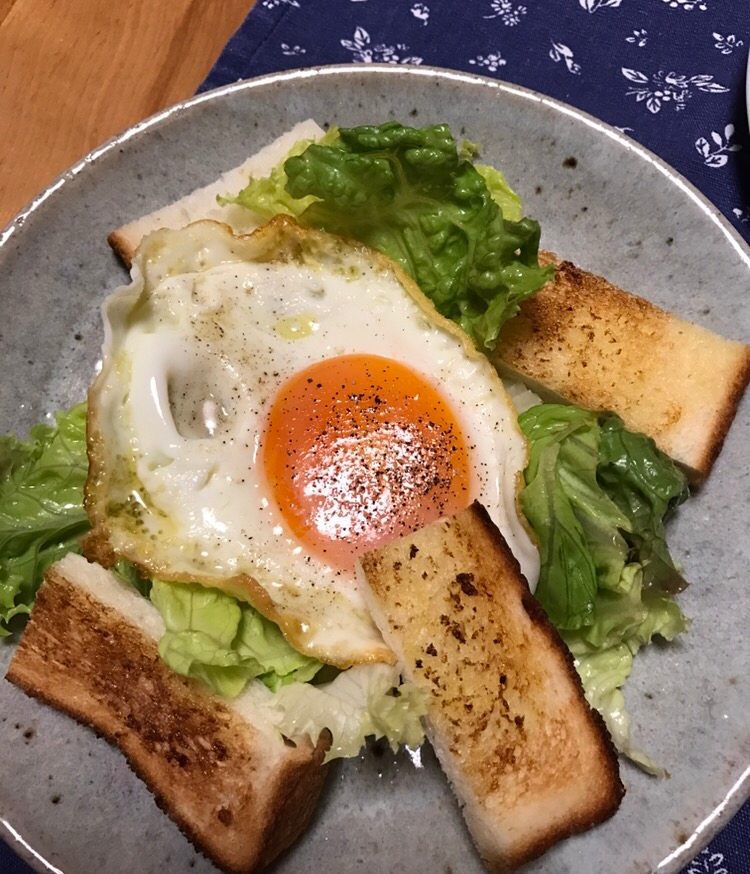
<point>75,72</point>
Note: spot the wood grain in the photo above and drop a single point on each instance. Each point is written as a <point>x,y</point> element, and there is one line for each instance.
<point>76,72</point>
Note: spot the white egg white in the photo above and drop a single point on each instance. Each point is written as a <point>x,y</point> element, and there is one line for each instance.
<point>196,348</point>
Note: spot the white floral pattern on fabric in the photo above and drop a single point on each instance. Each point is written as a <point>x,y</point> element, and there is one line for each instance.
<point>292,50</point>
<point>560,52</point>
<point>661,88</point>
<point>687,5</point>
<point>272,4</point>
<point>717,157</point>
<point>363,52</point>
<point>640,37</point>
<point>708,863</point>
<point>743,216</point>
<point>726,44</point>
<point>491,62</point>
<point>505,10</point>
<point>593,5</point>
<point>421,11</point>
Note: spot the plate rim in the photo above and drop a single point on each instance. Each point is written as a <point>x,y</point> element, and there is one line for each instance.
<point>739,792</point>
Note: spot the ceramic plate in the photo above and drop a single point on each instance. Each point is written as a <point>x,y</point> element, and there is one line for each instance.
<point>603,202</point>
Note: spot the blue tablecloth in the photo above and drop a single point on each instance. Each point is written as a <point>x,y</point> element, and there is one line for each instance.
<point>670,73</point>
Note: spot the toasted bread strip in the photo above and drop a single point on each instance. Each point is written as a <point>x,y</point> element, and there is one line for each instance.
<point>237,791</point>
<point>529,760</point>
<point>201,204</point>
<point>588,342</point>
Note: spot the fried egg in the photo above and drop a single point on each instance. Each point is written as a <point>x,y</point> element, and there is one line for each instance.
<point>271,406</point>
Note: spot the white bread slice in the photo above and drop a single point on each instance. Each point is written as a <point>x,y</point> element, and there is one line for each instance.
<point>528,759</point>
<point>580,339</point>
<point>201,204</point>
<point>237,790</point>
<point>588,342</point>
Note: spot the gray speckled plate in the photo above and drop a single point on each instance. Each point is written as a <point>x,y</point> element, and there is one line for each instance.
<point>616,210</point>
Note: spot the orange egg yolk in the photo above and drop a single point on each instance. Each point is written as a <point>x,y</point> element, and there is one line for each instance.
<point>359,450</point>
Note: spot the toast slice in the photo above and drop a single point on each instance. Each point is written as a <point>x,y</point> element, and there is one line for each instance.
<point>583,340</point>
<point>201,204</point>
<point>580,339</point>
<point>528,759</point>
<point>238,791</point>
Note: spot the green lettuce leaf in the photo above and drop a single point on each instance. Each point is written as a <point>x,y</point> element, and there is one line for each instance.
<point>647,486</point>
<point>597,496</point>
<point>408,193</point>
<point>633,615</point>
<point>41,507</point>
<point>213,637</point>
<point>503,195</point>
<point>267,196</point>
<point>363,701</point>
<point>603,673</point>
<point>576,524</point>
<point>603,654</point>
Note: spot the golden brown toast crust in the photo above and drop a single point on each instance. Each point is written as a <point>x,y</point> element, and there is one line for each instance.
<point>529,760</point>
<point>122,246</point>
<point>585,340</point>
<point>204,763</point>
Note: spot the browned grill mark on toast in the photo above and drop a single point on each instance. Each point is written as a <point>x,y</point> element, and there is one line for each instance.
<point>238,801</point>
<point>529,760</point>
